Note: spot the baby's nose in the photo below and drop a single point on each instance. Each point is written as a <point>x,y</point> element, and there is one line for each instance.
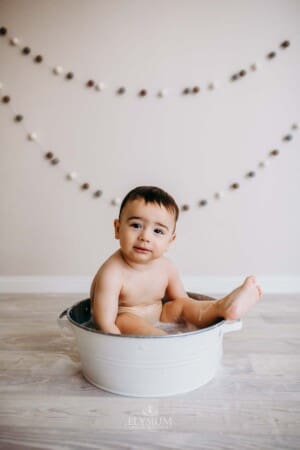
<point>144,236</point>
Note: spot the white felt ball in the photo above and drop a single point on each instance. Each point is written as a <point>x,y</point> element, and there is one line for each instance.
<point>116,201</point>
<point>211,86</point>
<point>58,70</point>
<point>219,195</point>
<point>15,41</point>
<point>162,93</point>
<point>71,176</point>
<point>99,86</point>
<point>263,164</point>
<point>32,136</point>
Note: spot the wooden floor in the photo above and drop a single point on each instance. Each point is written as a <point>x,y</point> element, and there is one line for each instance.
<point>45,403</point>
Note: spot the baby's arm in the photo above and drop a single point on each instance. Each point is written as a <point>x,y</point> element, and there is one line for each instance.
<point>175,287</point>
<point>106,299</point>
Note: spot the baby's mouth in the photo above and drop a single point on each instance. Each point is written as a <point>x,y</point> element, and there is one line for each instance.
<point>142,250</point>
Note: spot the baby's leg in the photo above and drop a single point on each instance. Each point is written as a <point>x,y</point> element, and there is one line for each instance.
<point>240,300</point>
<point>132,324</point>
<point>205,313</point>
<point>199,313</point>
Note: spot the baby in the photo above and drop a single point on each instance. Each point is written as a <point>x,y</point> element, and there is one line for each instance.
<point>127,291</point>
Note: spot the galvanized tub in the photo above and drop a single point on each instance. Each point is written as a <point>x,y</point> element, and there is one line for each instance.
<point>147,366</point>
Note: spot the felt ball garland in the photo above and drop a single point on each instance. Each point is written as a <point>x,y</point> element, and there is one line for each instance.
<point>219,195</point>
<point>49,155</point>
<point>92,85</point>
<point>38,59</point>
<point>116,201</point>
<point>58,70</point>
<point>26,51</point>
<point>185,207</point>
<point>69,76</point>
<point>71,176</point>
<point>54,160</point>
<point>6,99</point>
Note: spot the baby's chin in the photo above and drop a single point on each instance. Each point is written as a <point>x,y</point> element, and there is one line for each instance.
<point>137,257</point>
<point>141,257</point>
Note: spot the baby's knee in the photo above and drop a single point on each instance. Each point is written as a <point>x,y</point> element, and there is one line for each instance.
<point>125,322</point>
<point>122,319</point>
<point>172,311</point>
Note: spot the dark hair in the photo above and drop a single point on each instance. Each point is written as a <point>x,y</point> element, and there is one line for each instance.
<point>151,194</point>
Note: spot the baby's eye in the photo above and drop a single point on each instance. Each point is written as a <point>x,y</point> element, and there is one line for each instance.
<point>158,231</point>
<point>135,225</point>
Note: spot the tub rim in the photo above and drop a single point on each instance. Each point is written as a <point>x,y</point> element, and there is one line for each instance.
<point>67,312</point>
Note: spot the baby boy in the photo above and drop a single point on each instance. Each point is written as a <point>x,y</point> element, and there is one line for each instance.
<point>128,289</point>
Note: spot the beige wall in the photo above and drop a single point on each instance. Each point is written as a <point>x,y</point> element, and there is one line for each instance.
<point>191,146</point>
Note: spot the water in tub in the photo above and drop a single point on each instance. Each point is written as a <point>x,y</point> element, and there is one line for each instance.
<point>169,328</point>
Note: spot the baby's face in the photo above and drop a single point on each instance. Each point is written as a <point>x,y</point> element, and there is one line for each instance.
<point>145,231</point>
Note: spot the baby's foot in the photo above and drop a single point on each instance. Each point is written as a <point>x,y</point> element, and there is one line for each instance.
<point>237,303</point>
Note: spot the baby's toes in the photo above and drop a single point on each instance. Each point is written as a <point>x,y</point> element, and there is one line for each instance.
<point>259,290</point>
<point>249,281</point>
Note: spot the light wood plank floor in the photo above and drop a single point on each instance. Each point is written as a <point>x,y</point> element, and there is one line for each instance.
<point>45,403</point>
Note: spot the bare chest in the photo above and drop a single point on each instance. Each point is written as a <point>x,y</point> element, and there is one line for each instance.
<point>143,289</point>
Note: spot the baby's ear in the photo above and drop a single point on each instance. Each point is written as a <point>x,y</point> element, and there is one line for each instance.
<point>173,237</point>
<point>117,227</point>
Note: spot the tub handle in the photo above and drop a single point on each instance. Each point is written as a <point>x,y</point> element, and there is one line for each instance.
<point>64,324</point>
<point>232,325</point>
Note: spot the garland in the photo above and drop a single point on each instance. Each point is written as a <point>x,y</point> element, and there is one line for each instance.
<point>92,84</point>
<point>54,160</point>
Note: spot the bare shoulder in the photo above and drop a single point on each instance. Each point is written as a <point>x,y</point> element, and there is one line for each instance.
<point>170,267</point>
<point>109,273</point>
<point>113,265</point>
<point>175,287</point>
